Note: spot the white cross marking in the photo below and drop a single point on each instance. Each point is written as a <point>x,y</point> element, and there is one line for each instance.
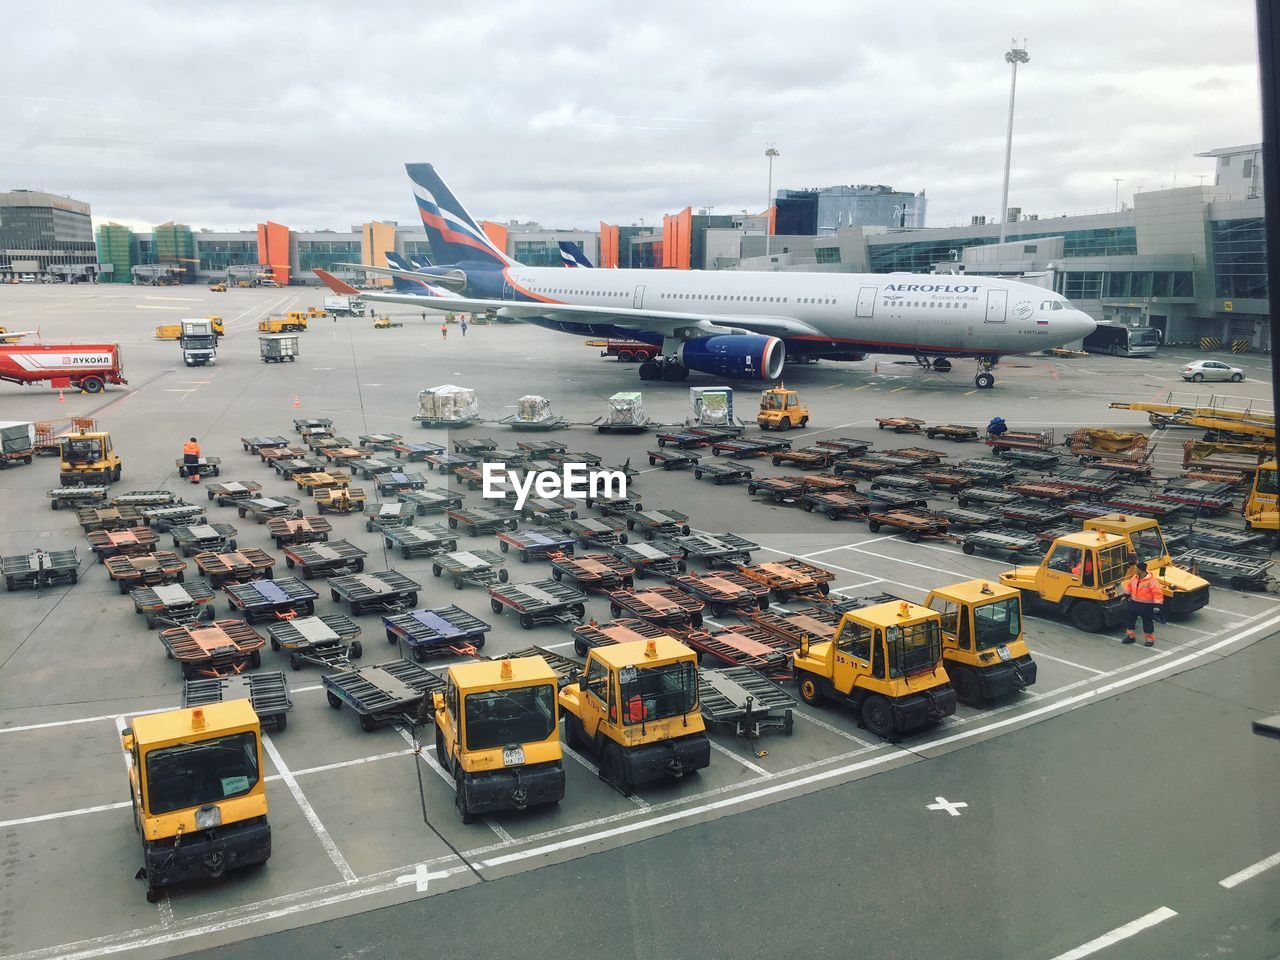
<point>422,877</point>
<point>942,803</point>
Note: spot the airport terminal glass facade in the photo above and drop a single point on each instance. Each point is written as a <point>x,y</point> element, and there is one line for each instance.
<point>919,256</point>
<point>173,243</point>
<point>1125,284</point>
<point>418,248</point>
<point>117,246</point>
<point>1239,258</point>
<point>326,254</point>
<point>538,253</point>
<point>217,255</point>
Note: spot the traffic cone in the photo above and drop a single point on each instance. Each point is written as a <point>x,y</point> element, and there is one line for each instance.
<point>61,398</point>
<point>877,368</point>
<point>296,402</point>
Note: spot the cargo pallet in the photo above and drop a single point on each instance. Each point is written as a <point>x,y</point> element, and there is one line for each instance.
<point>413,542</point>
<point>134,541</point>
<point>723,472</point>
<point>540,602</point>
<point>478,520</point>
<point>740,701</point>
<point>1020,440</point>
<point>1030,516</point>
<point>152,569</point>
<point>593,634</point>
<point>214,649</point>
<point>717,549</point>
<point>423,632</point>
<point>949,480</point>
<point>249,563</point>
<point>655,522</point>
<point>665,606</point>
<point>174,604</point>
<point>1203,497</point>
<point>328,642</point>
<point>659,558</point>
<point>1215,536</point>
<point>431,501</point>
<point>749,448</point>
<point>955,432</point>
<point>1033,458</point>
<point>592,571</point>
<point>479,567</point>
<point>257,444</point>
<point>263,509</point>
<point>379,441</point>
<point>791,578</point>
<point>39,569</point>
<point>807,458</point>
<point>540,448</point>
<point>837,505</point>
<point>271,599</point>
<point>72,496</point>
<point>229,493</point>
<point>335,558</point>
<point>317,480</point>
<point>900,424</point>
<point>342,456</point>
<point>1011,542</point>
<point>203,538</point>
<point>917,455</point>
<point>914,525</point>
<point>298,530</point>
<point>306,425</point>
<point>389,484</point>
<point>1147,508</point>
<point>475,445</point>
<point>387,590</point>
<point>273,455</point>
<point>267,693</point>
<point>590,532</point>
<point>295,467</point>
<point>107,518</point>
<point>396,691</point>
<point>534,544</point>
<point>778,489</point>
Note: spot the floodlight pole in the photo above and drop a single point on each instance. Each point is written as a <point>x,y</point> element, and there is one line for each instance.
<point>1014,56</point>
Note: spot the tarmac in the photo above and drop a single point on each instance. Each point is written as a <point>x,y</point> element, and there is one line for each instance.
<point>1123,784</point>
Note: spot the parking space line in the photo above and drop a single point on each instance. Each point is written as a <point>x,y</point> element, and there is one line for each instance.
<point>725,751</point>
<point>426,756</point>
<point>830,728</point>
<point>818,553</point>
<point>1041,655</point>
<point>309,812</point>
<point>1248,873</point>
<point>62,814</point>
<point>575,755</point>
<point>1130,929</point>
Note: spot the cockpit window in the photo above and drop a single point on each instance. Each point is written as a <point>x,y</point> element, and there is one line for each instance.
<point>1058,305</point>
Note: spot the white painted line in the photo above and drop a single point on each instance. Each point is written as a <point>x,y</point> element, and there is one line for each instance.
<point>62,814</point>
<point>1248,873</point>
<point>309,812</point>
<point>575,755</point>
<point>830,728</point>
<point>434,764</point>
<point>1041,655</point>
<point>1119,933</point>
<point>754,768</point>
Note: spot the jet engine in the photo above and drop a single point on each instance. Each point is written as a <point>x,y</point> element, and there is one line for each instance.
<point>741,356</point>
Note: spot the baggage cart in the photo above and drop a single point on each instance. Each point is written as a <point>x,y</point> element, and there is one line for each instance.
<point>534,414</point>
<point>987,498</point>
<point>424,502</point>
<point>298,530</point>
<point>1081,510</point>
<point>841,605</point>
<point>413,542</point>
<point>342,456</point>
<point>969,519</point>
<point>272,455</point>
<point>900,424</point>
<point>1204,496</point>
<point>76,496</point>
<point>478,520</point>
<point>807,458</point>
<point>1240,571</point>
<point>955,432</point>
<point>724,591</point>
<point>479,567</point>
<point>340,500</point>
<point>817,623</point>
<point>563,457</point>
<point>594,634</point>
<point>107,518</point>
<point>370,467</point>
<point>174,604</point>
<point>446,463</point>
<point>278,347</point>
<point>1231,478</point>
<point>313,426</point>
<point>40,569</point>
<point>1037,459</point>
<point>996,465</point>
<point>322,480</point>
<point>660,557</point>
<point>532,544</point>
<point>696,437</point>
<point>616,506</point>
<point>203,538</point>
<point>913,524</point>
<point>540,602</point>
<point>415,452</point>
<point>297,466</point>
<point>133,541</point>
<point>778,489</point>
<point>550,510</point>
<point>319,443</point>
<point>743,645</point>
<point>1014,543</point>
<point>654,522</point>
<point>389,591</point>
<point>723,472</point>
<point>664,606</point>
<point>846,446</point>
<point>740,701</point>
<point>475,445</point>
<point>949,480</point>
<point>1215,536</point>
<point>718,549</point>
<point>396,481</point>
<point>203,467</point>
<point>591,571</point>
<point>863,467</point>
<point>214,649</point>
<point>281,599</point>
<point>675,459</point>
<point>534,449</point>
<point>837,505</point>
<point>896,500</point>
<point>986,476</point>
<point>257,444</point>
<point>145,498</point>
<point>1056,493</point>
<point>790,579</point>
<point>901,464</point>
<point>742,447</point>
<point>1088,487</point>
<point>917,455</point>
<point>396,691</point>
<point>1147,508</point>
<point>899,481</point>
<point>1030,515</point>
<point>328,642</point>
<point>380,441</point>
<point>1020,440</point>
<point>232,492</point>
<point>444,629</point>
<point>152,569</point>
<point>389,516</point>
<point>473,477</point>
<point>333,558</point>
<point>247,564</point>
<point>590,532</point>
<point>267,693</point>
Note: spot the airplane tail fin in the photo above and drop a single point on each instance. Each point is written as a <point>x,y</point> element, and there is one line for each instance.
<point>572,256</point>
<point>420,261</point>
<point>401,284</point>
<point>455,236</point>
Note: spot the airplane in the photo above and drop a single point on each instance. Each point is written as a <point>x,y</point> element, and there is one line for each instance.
<point>729,323</point>
<point>572,256</point>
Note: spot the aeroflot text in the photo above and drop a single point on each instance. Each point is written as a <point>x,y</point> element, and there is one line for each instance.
<point>574,481</point>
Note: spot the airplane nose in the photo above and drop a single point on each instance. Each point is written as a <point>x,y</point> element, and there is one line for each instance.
<point>1080,325</point>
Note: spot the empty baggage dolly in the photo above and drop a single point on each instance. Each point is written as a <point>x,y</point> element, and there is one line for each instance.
<point>616,506</point>
<point>152,569</point>
<point>431,501</point>
<point>174,604</point>
<point>1215,536</point>
<point>396,481</point>
<point>213,649</point>
<point>994,498</point>
<point>543,601</point>
<point>389,516</point>
<point>271,455</point>
<point>328,641</point>
<point>258,444</point>
<point>379,441</point>
<point>676,459</point>
<point>424,632</point>
<point>900,424</point>
<point>749,448</point>
<point>960,517</point>
<point>658,558</point>
<point>243,564</point>
<point>837,505</point>
<point>318,480</point>
<point>263,509</point>
<point>548,509</point>
<point>313,425</point>
<point>738,700</point>
<point>76,496</point>
<point>297,466</point>
<point>914,524</point>
<point>717,549</point>
<point>203,538</point>
<point>654,522</point>
<point>298,530</point>
<point>387,590</point>
<point>144,498</point>
<point>593,634</point>
<point>955,432</point>
<point>1240,571</point>
<point>481,567</point>
<point>384,692</point>
<point>724,591</point>
<point>790,578</point>
<point>203,467</point>
<point>231,492</point>
<point>807,458</point>
<point>888,500</point>
<point>592,571</point>
<point>743,645</point>
<point>271,599</point>
<point>723,472</point>
<point>1013,542</point>
<point>444,462</point>
<point>862,467</point>
<point>532,544</point>
<point>340,456</point>
<point>370,467</point>
<point>267,693</point>
<point>847,446</point>
<point>1031,516</point>
<point>415,452</point>
<point>39,569</point>
<point>107,518</point>
<point>664,606</point>
<point>132,542</point>
<point>174,515</point>
<point>818,623</point>
<point>590,532</point>
<point>325,559</point>
<point>478,520</point>
<point>416,541</point>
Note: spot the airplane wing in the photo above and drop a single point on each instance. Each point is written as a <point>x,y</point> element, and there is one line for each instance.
<point>666,322</point>
<point>453,278</point>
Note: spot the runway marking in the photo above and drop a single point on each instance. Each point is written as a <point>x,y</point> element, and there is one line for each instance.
<point>953,807</point>
<point>309,812</point>
<point>1041,655</point>
<point>1130,929</point>
<point>1248,873</point>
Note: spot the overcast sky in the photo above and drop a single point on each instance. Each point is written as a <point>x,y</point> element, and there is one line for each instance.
<point>221,115</point>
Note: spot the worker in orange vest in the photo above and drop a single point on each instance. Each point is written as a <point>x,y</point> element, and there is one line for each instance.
<point>191,460</point>
<point>636,712</point>
<point>1144,600</point>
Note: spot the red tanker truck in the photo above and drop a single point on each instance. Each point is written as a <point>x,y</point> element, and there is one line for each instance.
<point>84,366</point>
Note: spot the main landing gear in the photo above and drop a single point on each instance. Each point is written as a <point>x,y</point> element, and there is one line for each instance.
<point>940,364</point>
<point>984,379</point>
<point>663,368</point>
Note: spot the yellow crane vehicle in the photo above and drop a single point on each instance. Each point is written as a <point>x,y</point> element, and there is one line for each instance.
<point>1261,511</point>
<point>983,648</point>
<point>781,409</point>
<point>88,458</point>
<point>885,662</point>
<point>197,787</point>
<point>1184,592</point>
<point>298,317</point>
<point>498,735</point>
<point>1213,414</point>
<point>1079,578</point>
<point>289,324</point>
<point>635,706</point>
<point>219,328</point>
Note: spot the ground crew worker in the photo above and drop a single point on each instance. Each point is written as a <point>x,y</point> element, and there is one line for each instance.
<point>191,460</point>
<point>444,331</point>
<point>1144,600</point>
<point>1086,569</point>
<point>464,326</point>
<point>636,712</point>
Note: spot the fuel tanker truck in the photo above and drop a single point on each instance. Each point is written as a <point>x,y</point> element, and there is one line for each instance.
<point>82,366</point>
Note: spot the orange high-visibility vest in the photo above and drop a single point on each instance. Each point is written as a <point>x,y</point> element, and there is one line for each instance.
<point>635,710</point>
<point>1144,589</point>
<point>191,449</point>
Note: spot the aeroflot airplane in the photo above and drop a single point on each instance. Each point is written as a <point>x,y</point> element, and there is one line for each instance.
<point>735,324</point>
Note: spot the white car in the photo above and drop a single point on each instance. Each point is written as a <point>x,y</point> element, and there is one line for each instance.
<point>1211,370</point>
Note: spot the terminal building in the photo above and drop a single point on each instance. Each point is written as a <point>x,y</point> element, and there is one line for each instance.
<point>46,236</point>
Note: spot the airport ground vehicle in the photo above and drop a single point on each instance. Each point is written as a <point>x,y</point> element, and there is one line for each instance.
<point>17,442</point>
<point>1122,341</point>
<point>1184,591</point>
<point>635,705</point>
<point>885,662</point>
<point>173,331</point>
<point>627,351</point>
<point>84,366</point>
<point>197,787</point>
<point>1079,578</point>
<point>219,287</point>
<point>278,347</point>
<point>281,325</point>
<point>342,306</point>
<point>1261,511</point>
<point>781,409</point>
<point>88,458</point>
<point>199,343</point>
<point>983,648</point>
<point>39,569</point>
<point>498,734</point>
<point>1200,370</point>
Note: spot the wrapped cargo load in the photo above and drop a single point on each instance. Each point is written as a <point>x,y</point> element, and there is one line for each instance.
<point>533,409</point>
<point>17,441</point>
<point>447,404</point>
<point>626,414</point>
<point>711,407</point>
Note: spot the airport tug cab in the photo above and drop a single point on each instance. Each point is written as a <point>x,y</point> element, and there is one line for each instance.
<point>1079,578</point>
<point>88,458</point>
<point>635,706</point>
<point>982,645</point>
<point>1262,506</point>
<point>885,662</point>
<point>1184,592</point>
<point>781,409</point>
<point>197,786</point>
<point>498,735</point>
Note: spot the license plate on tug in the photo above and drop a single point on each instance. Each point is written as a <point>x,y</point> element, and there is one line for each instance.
<point>1003,653</point>
<point>511,756</point>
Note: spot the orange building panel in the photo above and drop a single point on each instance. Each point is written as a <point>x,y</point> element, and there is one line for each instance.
<point>273,250</point>
<point>609,254</point>
<point>496,233</point>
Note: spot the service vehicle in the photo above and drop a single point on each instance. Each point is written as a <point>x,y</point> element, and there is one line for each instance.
<point>198,792</point>
<point>1184,592</point>
<point>635,706</point>
<point>82,366</point>
<point>983,648</point>
<point>88,458</point>
<point>498,735</point>
<point>1120,340</point>
<point>342,306</point>
<point>782,409</point>
<point>627,351</point>
<point>1261,511</point>
<point>1079,578</point>
<point>199,343</point>
<point>219,287</point>
<point>17,442</point>
<point>1200,370</point>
